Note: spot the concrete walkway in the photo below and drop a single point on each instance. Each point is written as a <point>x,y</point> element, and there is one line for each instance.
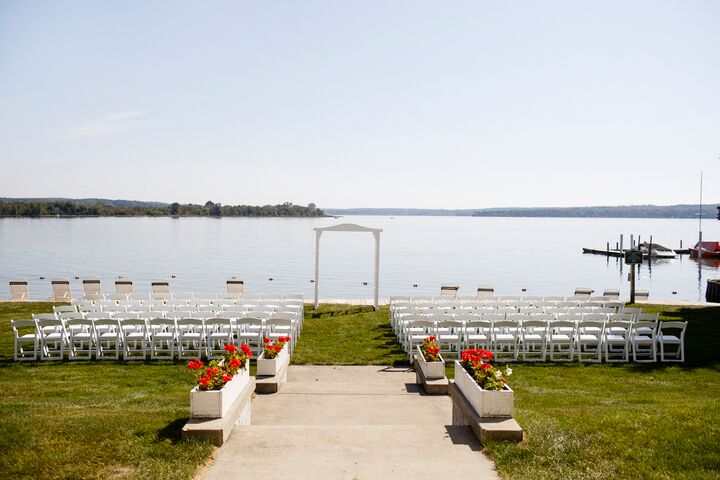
<point>351,423</point>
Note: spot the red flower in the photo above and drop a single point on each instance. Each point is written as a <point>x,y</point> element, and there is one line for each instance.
<point>227,378</point>
<point>486,366</point>
<point>266,340</point>
<point>195,364</point>
<point>244,347</point>
<point>230,348</point>
<point>234,363</point>
<point>212,372</point>
<point>203,381</point>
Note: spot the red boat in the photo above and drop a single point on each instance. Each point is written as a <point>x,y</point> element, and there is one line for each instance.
<point>709,249</point>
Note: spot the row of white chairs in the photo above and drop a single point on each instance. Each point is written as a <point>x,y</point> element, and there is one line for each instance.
<point>135,339</point>
<point>627,314</point>
<point>539,339</point>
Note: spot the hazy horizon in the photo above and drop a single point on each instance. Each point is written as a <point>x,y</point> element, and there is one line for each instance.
<point>467,105</point>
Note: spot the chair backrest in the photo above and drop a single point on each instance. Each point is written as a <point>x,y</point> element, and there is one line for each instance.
<point>44,316</point>
<point>647,317</point>
<point>631,310</point>
<point>19,291</point>
<point>15,324</point>
<point>424,324</point>
<point>509,325</point>
<point>124,286</point>
<point>645,328</point>
<point>557,325</point>
<point>594,317</point>
<point>72,324</point>
<point>533,326</point>
<point>478,325</point>
<point>597,326</point>
<point>61,289</point>
<point>70,315</point>
<point>278,322</point>
<point>218,324</point>
<point>663,327</point>
<point>190,325</point>
<point>128,315</point>
<point>620,328</point>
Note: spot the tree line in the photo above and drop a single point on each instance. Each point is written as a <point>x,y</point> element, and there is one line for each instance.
<point>210,209</point>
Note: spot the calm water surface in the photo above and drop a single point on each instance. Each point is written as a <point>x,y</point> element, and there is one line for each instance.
<point>542,255</point>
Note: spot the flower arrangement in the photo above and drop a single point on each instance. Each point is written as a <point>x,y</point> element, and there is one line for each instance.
<point>219,372</point>
<point>430,349</point>
<point>272,349</point>
<point>478,364</point>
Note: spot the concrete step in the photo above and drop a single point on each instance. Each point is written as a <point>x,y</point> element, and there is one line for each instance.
<point>352,451</point>
<point>350,409</point>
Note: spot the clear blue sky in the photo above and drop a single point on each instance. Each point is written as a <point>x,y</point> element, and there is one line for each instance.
<point>457,104</point>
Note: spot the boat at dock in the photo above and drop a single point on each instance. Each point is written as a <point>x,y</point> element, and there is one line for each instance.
<point>654,250</point>
<point>708,249</point>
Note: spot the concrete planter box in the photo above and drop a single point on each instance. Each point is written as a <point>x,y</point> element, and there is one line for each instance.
<point>216,403</point>
<point>431,370</point>
<point>487,403</point>
<point>272,366</point>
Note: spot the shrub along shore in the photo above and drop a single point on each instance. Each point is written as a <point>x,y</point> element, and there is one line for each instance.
<point>123,420</point>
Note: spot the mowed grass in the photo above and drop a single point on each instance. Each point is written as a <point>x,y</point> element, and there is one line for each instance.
<point>123,420</point>
<point>348,335</point>
<point>581,421</point>
<point>92,419</point>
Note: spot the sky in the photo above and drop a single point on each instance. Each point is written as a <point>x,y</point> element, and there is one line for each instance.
<point>426,104</point>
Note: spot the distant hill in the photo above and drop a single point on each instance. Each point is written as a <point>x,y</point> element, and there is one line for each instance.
<point>622,211</point>
<point>98,207</point>
<point>87,201</point>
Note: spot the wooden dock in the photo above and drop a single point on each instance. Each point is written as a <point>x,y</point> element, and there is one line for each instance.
<point>607,252</point>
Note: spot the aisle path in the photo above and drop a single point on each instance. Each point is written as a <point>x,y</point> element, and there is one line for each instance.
<point>351,423</point>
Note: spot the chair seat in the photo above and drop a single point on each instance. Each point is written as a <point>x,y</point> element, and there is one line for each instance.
<point>455,338</point>
<point>135,335</point>
<point>586,337</point>
<point>80,335</point>
<point>641,339</point>
<point>532,337</point>
<point>504,337</point>
<point>615,338</point>
<point>162,335</point>
<point>190,336</point>
<point>109,336</point>
<point>559,337</point>
<point>668,339</point>
<point>477,337</point>
<point>27,337</point>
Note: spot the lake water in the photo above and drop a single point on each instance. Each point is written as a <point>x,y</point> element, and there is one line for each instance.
<point>542,255</point>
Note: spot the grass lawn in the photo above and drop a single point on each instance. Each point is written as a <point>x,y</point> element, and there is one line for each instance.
<point>122,420</point>
<point>92,419</point>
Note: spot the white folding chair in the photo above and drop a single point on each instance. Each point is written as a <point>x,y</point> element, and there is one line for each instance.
<point>191,337</point>
<point>505,340</point>
<point>250,330</point>
<point>80,338</point>
<point>108,339</point>
<point>218,333</point>
<point>533,340</point>
<point>643,341</point>
<point>478,334</point>
<point>672,334</point>
<point>161,336</point>
<point>617,341</point>
<point>589,338</point>
<point>26,340</point>
<point>134,333</point>
<point>449,335</point>
<point>53,340</point>
<point>561,340</point>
